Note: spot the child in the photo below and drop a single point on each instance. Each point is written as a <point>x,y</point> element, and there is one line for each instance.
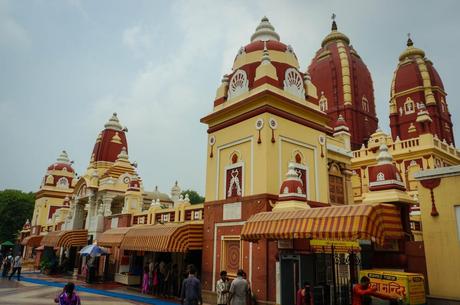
<point>145,280</point>
<point>68,296</point>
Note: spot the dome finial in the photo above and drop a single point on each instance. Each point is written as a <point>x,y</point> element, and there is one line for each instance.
<point>265,31</point>
<point>114,123</point>
<point>384,157</point>
<point>63,158</point>
<point>334,24</point>
<point>410,43</point>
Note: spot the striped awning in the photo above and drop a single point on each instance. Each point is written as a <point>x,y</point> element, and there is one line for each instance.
<point>112,237</point>
<point>32,241</point>
<point>170,237</point>
<point>66,238</point>
<point>351,222</point>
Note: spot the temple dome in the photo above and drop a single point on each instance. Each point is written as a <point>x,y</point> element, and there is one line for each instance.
<point>346,86</point>
<point>265,60</point>
<point>416,85</point>
<point>62,163</point>
<point>110,141</point>
<point>60,174</point>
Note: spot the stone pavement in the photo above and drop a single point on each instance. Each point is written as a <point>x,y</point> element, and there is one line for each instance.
<point>39,289</point>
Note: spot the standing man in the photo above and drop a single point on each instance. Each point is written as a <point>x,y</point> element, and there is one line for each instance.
<point>223,288</point>
<point>191,289</point>
<point>17,266</point>
<point>239,290</point>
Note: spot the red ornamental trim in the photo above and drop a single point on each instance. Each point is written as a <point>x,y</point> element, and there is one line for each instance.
<point>432,184</point>
<point>273,136</point>
<point>211,154</point>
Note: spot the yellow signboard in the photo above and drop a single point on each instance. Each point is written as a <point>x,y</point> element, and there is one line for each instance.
<point>410,287</point>
<point>340,246</point>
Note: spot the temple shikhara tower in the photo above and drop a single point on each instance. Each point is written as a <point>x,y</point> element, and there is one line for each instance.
<point>344,86</point>
<point>418,100</point>
<point>301,183</point>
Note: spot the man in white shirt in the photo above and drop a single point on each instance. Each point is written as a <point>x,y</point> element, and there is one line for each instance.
<point>17,265</point>
<point>239,290</point>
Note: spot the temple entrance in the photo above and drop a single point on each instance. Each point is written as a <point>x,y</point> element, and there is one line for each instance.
<point>336,273</point>
<point>295,269</point>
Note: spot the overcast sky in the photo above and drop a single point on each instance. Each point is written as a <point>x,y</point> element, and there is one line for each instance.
<point>65,66</point>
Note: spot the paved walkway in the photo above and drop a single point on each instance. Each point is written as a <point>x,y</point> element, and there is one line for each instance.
<point>39,289</point>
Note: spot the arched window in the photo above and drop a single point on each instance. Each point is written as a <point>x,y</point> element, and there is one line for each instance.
<point>63,183</point>
<point>409,106</point>
<point>293,83</point>
<point>298,158</point>
<point>336,184</point>
<point>365,104</point>
<point>238,84</point>
<point>234,158</point>
<point>443,105</point>
<point>380,177</point>
<point>323,102</point>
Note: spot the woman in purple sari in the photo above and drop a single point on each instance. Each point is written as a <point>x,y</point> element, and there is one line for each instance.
<point>68,296</point>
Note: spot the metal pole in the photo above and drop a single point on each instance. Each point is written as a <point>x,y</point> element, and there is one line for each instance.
<point>333,274</point>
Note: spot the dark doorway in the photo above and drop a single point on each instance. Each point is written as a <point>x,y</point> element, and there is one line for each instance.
<point>295,269</point>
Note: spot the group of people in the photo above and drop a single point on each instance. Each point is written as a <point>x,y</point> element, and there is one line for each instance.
<point>236,292</point>
<point>362,294</point>
<point>8,262</point>
<point>161,279</point>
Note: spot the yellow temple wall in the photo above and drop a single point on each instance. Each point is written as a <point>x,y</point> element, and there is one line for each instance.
<point>441,234</point>
<point>268,161</point>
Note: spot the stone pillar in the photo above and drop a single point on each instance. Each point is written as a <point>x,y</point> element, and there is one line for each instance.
<point>76,220</point>
<point>348,186</point>
<point>99,220</point>
<point>107,205</point>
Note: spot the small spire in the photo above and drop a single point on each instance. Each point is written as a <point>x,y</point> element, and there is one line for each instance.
<point>334,24</point>
<point>384,156</point>
<point>410,43</point>
<point>265,31</point>
<point>63,158</point>
<point>123,155</point>
<point>265,55</point>
<point>291,173</point>
<point>114,123</point>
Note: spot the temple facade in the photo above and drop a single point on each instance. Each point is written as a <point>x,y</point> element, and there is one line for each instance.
<point>301,184</point>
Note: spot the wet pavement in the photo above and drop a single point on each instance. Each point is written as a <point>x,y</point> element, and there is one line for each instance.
<point>37,289</point>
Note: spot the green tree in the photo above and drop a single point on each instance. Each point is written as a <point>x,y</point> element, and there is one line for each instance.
<point>193,196</point>
<point>15,208</point>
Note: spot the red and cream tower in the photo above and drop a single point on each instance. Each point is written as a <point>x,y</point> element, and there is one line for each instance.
<point>417,87</point>
<point>109,184</point>
<point>54,193</point>
<point>344,86</point>
<point>265,123</point>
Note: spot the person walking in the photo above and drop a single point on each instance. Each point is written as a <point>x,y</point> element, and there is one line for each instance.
<point>239,290</point>
<point>68,296</point>
<point>223,289</point>
<point>7,265</point>
<point>191,289</point>
<point>17,266</point>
